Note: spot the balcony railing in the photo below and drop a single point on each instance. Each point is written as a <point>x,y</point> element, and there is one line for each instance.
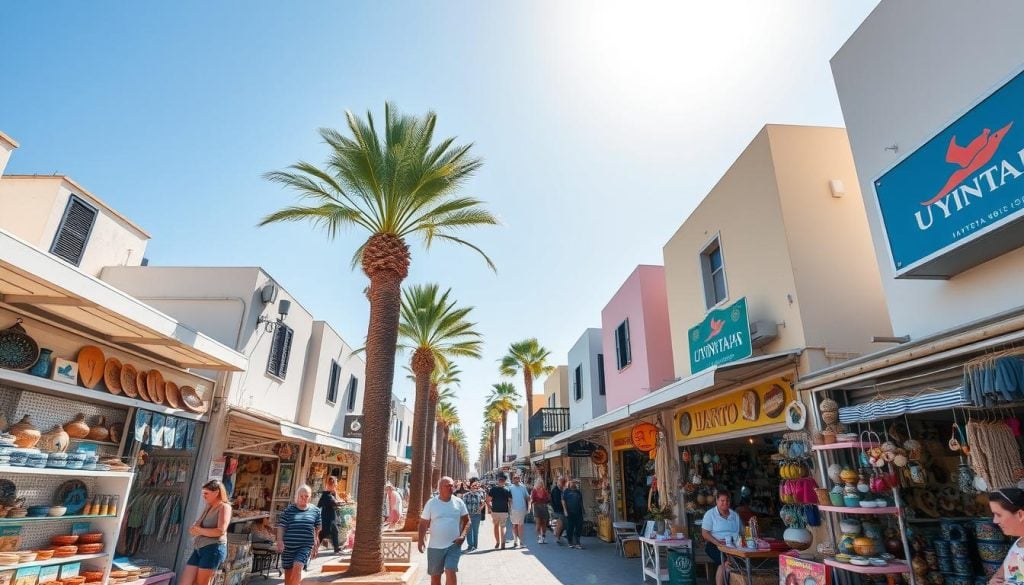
<point>548,422</point>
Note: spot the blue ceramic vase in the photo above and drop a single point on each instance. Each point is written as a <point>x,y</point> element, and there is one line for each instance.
<point>42,366</point>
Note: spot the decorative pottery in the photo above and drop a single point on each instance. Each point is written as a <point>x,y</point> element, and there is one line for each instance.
<point>952,530</point>
<point>140,384</point>
<point>18,351</point>
<point>830,416</point>
<point>941,547</point>
<point>43,364</point>
<point>99,431</point>
<point>836,498</point>
<point>988,531</point>
<point>155,386</point>
<point>963,566</point>
<point>798,538</point>
<point>845,545</point>
<point>873,531</point>
<point>990,568</point>
<point>992,552</point>
<point>77,429</point>
<point>116,430</point>
<point>851,501</point>
<point>112,375</point>
<point>829,405</point>
<point>190,399</point>
<point>850,526</point>
<point>849,475</point>
<point>129,381</point>
<point>894,546</point>
<point>958,549</point>
<point>55,441</point>
<point>26,435</point>
<point>864,546</point>
<point>91,366</point>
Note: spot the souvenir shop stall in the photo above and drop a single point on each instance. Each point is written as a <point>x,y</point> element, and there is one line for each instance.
<point>332,461</point>
<point>69,459</point>
<point>588,461</point>
<point>634,475</point>
<point>260,469</point>
<point>752,443</point>
<point>924,443</point>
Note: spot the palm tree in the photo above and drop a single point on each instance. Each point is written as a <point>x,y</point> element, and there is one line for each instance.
<point>505,398</point>
<point>531,358</point>
<point>437,331</point>
<point>447,417</point>
<point>458,444</point>
<point>446,375</point>
<point>493,416</point>
<point>394,185</point>
<point>445,395</point>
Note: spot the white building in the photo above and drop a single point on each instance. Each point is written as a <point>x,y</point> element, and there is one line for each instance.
<point>586,378</point>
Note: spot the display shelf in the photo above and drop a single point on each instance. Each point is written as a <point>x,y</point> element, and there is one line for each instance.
<point>162,577</point>
<point>892,568</point>
<point>56,561</point>
<point>27,520</point>
<point>845,445</point>
<point>74,392</point>
<point>249,518</point>
<point>91,442</point>
<point>6,469</point>
<point>859,510</point>
<point>944,519</point>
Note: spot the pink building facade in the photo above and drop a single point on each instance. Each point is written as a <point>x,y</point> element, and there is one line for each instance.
<point>636,339</point>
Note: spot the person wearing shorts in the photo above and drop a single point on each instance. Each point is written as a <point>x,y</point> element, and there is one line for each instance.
<point>498,500</point>
<point>539,500</point>
<point>298,535</point>
<point>448,521</point>
<point>517,511</point>
<point>210,536</point>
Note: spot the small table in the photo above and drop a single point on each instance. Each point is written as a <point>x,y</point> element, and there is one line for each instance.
<point>265,558</point>
<point>650,555</point>
<point>734,556</point>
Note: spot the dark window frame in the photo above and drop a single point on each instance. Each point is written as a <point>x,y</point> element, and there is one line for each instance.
<point>72,200</point>
<point>577,383</point>
<point>350,393</point>
<point>600,374</point>
<point>623,351</point>
<point>713,274</point>
<point>333,381</point>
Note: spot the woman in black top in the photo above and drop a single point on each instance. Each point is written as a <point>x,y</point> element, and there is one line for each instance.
<point>328,505</point>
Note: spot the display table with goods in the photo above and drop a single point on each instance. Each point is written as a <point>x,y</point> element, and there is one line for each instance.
<point>653,554</point>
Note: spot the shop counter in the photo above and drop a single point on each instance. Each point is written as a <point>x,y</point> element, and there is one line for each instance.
<point>743,559</point>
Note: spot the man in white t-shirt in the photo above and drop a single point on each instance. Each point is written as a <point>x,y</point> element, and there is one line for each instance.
<point>517,509</point>
<point>447,518</point>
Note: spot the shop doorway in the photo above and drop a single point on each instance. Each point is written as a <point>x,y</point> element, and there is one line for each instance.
<point>636,473</point>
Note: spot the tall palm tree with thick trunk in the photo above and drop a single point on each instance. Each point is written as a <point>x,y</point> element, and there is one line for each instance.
<point>447,417</point>
<point>505,399</point>
<point>393,184</point>
<point>493,416</point>
<point>445,395</point>
<point>531,359</point>
<point>436,330</point>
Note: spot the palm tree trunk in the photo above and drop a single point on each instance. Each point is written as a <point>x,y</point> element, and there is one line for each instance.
<point>497,447</point>
<point>422,367</point>
<point>504,434</point>
<point>428,444</point>
<point>445,452</point>
<point>438,442</point>
<point>528,383</point>
<point>386,262</point>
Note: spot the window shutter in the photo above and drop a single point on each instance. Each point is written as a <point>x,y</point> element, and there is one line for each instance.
<point>618,351</point>
<point>74,230</point>
<point>626,353</point>
<point>280,349</point>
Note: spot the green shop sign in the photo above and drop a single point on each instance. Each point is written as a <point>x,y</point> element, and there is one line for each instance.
<point>723,336</point>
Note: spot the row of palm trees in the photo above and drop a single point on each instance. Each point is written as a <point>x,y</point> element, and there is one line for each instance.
<point>395,183</point>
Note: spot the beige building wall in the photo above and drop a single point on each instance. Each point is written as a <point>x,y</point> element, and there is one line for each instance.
<point>557,385</point>
<point>7,146</point>
<point>798,254</point>
<point>34,206</point>
<point>315,410</point>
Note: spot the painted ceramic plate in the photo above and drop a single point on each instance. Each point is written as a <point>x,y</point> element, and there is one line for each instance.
<point>796,415</point>
<point>190,399</point>
<point>91,366</point>
<point>774,401</point>
<point>8,492</point>
<point>171,395</point>
<point>155,386</point>
<point>140,382</point>
<point>685,424</point>
<point>73,494</point>
<point>18,351</point>
<point>112,375</point>
<point>130,381</point>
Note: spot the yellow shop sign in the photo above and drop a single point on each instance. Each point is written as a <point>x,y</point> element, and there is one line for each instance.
<point>622,439</point>
<point>740,409</point>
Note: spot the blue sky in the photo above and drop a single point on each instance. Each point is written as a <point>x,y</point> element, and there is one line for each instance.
<point>602,124</point>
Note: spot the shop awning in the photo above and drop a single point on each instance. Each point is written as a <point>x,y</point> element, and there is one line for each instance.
<point>289,430</point>
<point>546,454</point>
<point>710,380</point>
<point>44,287</point>
<point>876,410</point>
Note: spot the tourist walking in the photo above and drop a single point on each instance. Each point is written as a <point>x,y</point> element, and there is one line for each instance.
<point>539,499</point>
<point>557,510</point>
<point>298,535</point>
<point>394,503</point>
<point>447,518</point>
<point>474,498</point>
<point>328,504</point>
<point>210,540</point>
<point>517,511</point>
<point>498,501</point>
<point>572,501</point>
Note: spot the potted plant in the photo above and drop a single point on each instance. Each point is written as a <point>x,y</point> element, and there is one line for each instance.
<point>660,515</point>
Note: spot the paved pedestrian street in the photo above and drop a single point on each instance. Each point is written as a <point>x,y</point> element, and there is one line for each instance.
<point>544,564</point>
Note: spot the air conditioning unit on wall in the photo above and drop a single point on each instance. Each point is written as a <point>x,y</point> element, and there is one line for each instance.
<point>763,332</point>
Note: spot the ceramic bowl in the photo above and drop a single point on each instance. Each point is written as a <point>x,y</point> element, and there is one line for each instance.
<point>860,561</point>
<point>56,463</point>
<point>26,556</point>
<point>843,558</point>
<point>836,499</point>
<point>38,511</point>
<point>44,554</point>
<point>73,464</point>
<point>878,562</point>
<point>959,549</point>
<point>59,456</point>
<point>992,552</point>
<point>963,567</point>
<point>952,531</point>
<point>90,538</point>
<point>867,504</point>
<point>19,457</point>
<point>5,459</point>
<point>88,549</point>
<point>941,547</point>
<point>17,513</point>
<point>945,564</point>
<point>55,511</point>
<point>959,580</point>
<point>64,539</point>
<point>78,456</point>
<point>988,531</point>
<point>850,526</point>
<point>851,501</point>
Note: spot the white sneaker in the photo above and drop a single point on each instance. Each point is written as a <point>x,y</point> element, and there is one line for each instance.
<point>540,540</point>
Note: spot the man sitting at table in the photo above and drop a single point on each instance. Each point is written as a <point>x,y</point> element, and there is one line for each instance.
<point>719,523</point>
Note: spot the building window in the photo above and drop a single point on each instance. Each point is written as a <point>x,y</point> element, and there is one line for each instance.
<point>73,232</point>
<point>333,382</point>
<point>398,437</point>
<point>350,392</point>
<point>600,374</point>
<point>712,266</point>
<point>280,350</point>
<point>623,356</point>
<point>577,383</point>
<point>551,401</point>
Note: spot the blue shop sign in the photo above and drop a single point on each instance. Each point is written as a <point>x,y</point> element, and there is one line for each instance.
<point>949,205</point>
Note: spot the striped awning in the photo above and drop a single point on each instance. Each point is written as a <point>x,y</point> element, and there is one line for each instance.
<point>884,408</point>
